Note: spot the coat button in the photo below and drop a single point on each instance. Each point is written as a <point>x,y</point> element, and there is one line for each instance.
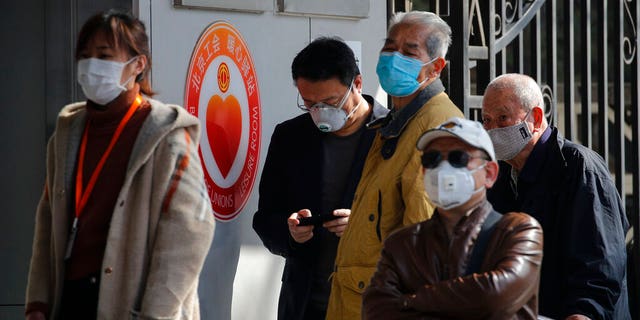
<point>122,203</point>
<point>108,270</point>
<point>361,285</point>
<point>372,217</point>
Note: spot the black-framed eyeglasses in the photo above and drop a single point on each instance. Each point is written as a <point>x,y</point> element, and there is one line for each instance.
<point>340,104</point>
<point>457,158</point>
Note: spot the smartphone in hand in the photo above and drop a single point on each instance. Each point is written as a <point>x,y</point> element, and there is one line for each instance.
<point>317,220</point>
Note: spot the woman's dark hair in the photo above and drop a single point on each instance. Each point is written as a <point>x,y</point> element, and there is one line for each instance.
<point>325,58</point>
<point>122,30</point>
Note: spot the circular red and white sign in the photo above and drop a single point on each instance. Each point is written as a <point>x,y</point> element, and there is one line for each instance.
<point>222,91</point>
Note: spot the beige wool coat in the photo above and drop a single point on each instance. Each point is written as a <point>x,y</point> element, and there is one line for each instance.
<point>162,224</point>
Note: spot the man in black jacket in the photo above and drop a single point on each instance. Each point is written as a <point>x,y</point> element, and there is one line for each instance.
<point>568,189</point>
<point>313,166</point>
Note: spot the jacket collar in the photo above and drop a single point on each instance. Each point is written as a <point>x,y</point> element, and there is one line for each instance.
<point>475,217</point>
<point>547,149</point>
<point>378,111</point>
<point>394,123</point>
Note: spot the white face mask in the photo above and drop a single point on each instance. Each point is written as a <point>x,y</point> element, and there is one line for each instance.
<point>509,141</point>
<point>331,119</point>
<point>450,187</point>
<point>100,79</point>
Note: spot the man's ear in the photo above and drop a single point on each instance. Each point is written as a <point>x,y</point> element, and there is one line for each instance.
<point>538,117</point>
<point>438,65</point>
<point>492,170</point>
<point>357,83</point>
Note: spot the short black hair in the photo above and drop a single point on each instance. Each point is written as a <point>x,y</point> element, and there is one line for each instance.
<point>323,59</point>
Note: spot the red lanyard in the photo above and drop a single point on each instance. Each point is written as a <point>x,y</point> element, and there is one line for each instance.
<point>83,195</point>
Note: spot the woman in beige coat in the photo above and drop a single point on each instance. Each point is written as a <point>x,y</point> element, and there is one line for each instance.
<point>124,222</point>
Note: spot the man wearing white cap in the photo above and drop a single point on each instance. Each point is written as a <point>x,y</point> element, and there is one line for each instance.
<point>467,261</point>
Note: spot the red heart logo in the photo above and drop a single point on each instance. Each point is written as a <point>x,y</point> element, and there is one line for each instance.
<point>224,127</point>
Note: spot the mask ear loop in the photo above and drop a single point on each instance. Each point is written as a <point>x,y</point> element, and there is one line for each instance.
<point>472,171</point>
<point>344,99</point>
<point>427,78</point>
<point>123,85</point>
<point>354,109</point>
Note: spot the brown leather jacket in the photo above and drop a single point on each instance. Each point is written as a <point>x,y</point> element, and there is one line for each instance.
<point>420,274</point>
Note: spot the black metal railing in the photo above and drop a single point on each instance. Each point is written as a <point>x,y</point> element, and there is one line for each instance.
<point>584,56</point>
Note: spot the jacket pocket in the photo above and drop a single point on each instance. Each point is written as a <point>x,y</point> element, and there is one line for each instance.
<point>354,279</point>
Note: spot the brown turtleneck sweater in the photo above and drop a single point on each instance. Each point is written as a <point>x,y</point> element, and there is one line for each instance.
<point>94,221</point>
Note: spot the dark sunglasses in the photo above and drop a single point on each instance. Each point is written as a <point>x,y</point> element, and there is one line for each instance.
<point>457,158</point>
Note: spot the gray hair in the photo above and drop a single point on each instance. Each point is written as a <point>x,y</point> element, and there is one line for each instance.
<point>523,87</point>
<point>439,36</point>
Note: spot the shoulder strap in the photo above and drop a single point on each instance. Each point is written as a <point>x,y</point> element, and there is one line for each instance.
<point>477,254</point>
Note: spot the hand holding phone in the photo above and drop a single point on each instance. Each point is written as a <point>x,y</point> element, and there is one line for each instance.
<point>339,225</point>
<point>300,234</point>
<point>316,220</point>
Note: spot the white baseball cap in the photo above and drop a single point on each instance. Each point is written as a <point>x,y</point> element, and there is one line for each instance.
<point>471,132</point>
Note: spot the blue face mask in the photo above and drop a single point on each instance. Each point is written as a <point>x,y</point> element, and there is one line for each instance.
<point>398,74</point>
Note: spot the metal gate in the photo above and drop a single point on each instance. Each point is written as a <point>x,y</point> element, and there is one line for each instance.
<point>584,56</point>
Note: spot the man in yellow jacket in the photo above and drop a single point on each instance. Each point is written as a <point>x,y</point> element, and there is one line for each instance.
<point>391,193</point>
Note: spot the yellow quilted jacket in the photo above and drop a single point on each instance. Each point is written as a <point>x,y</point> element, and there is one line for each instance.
<point>390,195</point>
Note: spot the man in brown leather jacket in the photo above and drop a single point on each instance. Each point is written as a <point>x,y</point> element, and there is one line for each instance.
<point>467,261</point>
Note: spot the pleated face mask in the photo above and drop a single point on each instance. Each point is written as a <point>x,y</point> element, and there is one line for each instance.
<point>509,141</point>
<point>100,79</point>
<point>398,74</point>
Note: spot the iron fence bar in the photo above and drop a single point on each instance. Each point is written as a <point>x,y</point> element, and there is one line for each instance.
<point>486,68</point>
<point>492,26</point>
<point>519,53</point>
<point>459,70</point>
<point>618,104</point>
<point>536,54</point>
<point>552,60</point>
<point>585,76</point>
<point>635,150</point>
<point>519,49</point>
<point>569,71</point>
<point>603,82</point>
<point>503,50</point>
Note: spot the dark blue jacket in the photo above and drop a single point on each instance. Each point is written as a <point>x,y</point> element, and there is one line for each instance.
<point>568,189</point>
<point>292,180</point>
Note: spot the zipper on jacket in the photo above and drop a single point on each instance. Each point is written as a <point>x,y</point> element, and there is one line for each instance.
<point>379,215</point>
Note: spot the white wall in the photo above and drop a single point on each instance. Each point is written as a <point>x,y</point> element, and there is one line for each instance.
<point>241,279</point>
